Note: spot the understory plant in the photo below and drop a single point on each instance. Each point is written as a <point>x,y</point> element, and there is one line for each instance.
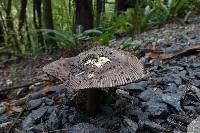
<point>63,39</point>
<point>171,9</point>
<point>111,26</point>
<point>141,19</point>
<point>194,6</point>
<point>143,16</point>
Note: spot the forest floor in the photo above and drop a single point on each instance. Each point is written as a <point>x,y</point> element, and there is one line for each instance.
<point>168,101</point>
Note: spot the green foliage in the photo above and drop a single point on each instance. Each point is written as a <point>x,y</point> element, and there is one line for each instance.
<point>88,34</point>
<point>145,15</point>
<point>141,19</point>
<point>111,26</point>
<point>194,6</point>
<point>92,32</point>
<point>134,44</point>
<point>63,39</point>
<point>7,54</point>
<point>127,43</point>
<point>67,40</point>
<point>171,9</point>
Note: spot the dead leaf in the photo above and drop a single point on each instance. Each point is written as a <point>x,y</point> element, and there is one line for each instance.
<point>10,108</point>
<point>154,54</point>
<point>40,85</point>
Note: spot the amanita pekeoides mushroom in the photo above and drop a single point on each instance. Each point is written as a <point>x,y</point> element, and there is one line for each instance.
<point>96,69</point>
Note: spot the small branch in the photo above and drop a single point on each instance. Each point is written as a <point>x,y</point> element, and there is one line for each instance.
<point>22,86</point>
<point>11,127</point>
<point>57,131</point>
<point>39,94</point>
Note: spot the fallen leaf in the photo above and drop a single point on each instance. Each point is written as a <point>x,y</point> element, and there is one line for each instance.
<point>10,108</point>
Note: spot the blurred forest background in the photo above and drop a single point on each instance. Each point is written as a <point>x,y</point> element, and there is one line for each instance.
<point>31,27</point>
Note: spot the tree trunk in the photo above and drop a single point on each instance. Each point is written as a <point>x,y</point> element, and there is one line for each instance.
<point>50,44</point>
<point>22,14</point>
<point>2,40</point>
<point>104,5</point>
<point>99,9</point>
<point>84,14</point>
<point>22,22</point>
<point>123,5</point>
<point>37,20</point>
<point>12,36</point>
<point>9,20</point>
<point>70,7</point>
<point>47,14</point>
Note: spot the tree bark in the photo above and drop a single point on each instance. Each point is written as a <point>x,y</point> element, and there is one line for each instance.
<point>99,9</point>
<point>9,20</point>
<point>12,36</point>
<point>2,40</point>
<point>123,5</point>
<point>22,14</point>
<point>47,14</point>
<point>70,6</point>
<point>22,23</point>
<point>84,14</point>
<point>37,20</point>
<point>50,44</point>
<point>104,6</point>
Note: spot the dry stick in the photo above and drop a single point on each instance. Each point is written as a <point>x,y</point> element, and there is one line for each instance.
<point>11,127</point>
<point>184,51</point>
<point>23,86</point>
<point>59,130</point>
<point>39,94</point>
<point>18,131</point>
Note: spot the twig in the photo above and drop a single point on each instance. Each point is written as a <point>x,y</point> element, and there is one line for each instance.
<point>39,94</point>
<point>13,124</point>
<point>18,131</point>
<point>23,85</point>
<point>59,130</point>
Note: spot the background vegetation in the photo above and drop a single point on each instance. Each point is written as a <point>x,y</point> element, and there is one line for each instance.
<point>28,28</point>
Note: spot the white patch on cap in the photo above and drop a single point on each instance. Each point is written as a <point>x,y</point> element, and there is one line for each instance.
<point>80,73</point>
<point>98,62</point>
<point>90,75</point>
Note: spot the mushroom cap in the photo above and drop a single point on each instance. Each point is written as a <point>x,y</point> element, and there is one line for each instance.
<point>99,67</point>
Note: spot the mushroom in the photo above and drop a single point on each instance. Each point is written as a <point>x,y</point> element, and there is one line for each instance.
<point>96,69</point>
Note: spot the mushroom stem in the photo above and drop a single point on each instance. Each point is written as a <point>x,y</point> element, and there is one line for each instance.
<point>93,101</point>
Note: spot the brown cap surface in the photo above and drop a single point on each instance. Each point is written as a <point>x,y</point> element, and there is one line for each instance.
<point>99,67</point>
